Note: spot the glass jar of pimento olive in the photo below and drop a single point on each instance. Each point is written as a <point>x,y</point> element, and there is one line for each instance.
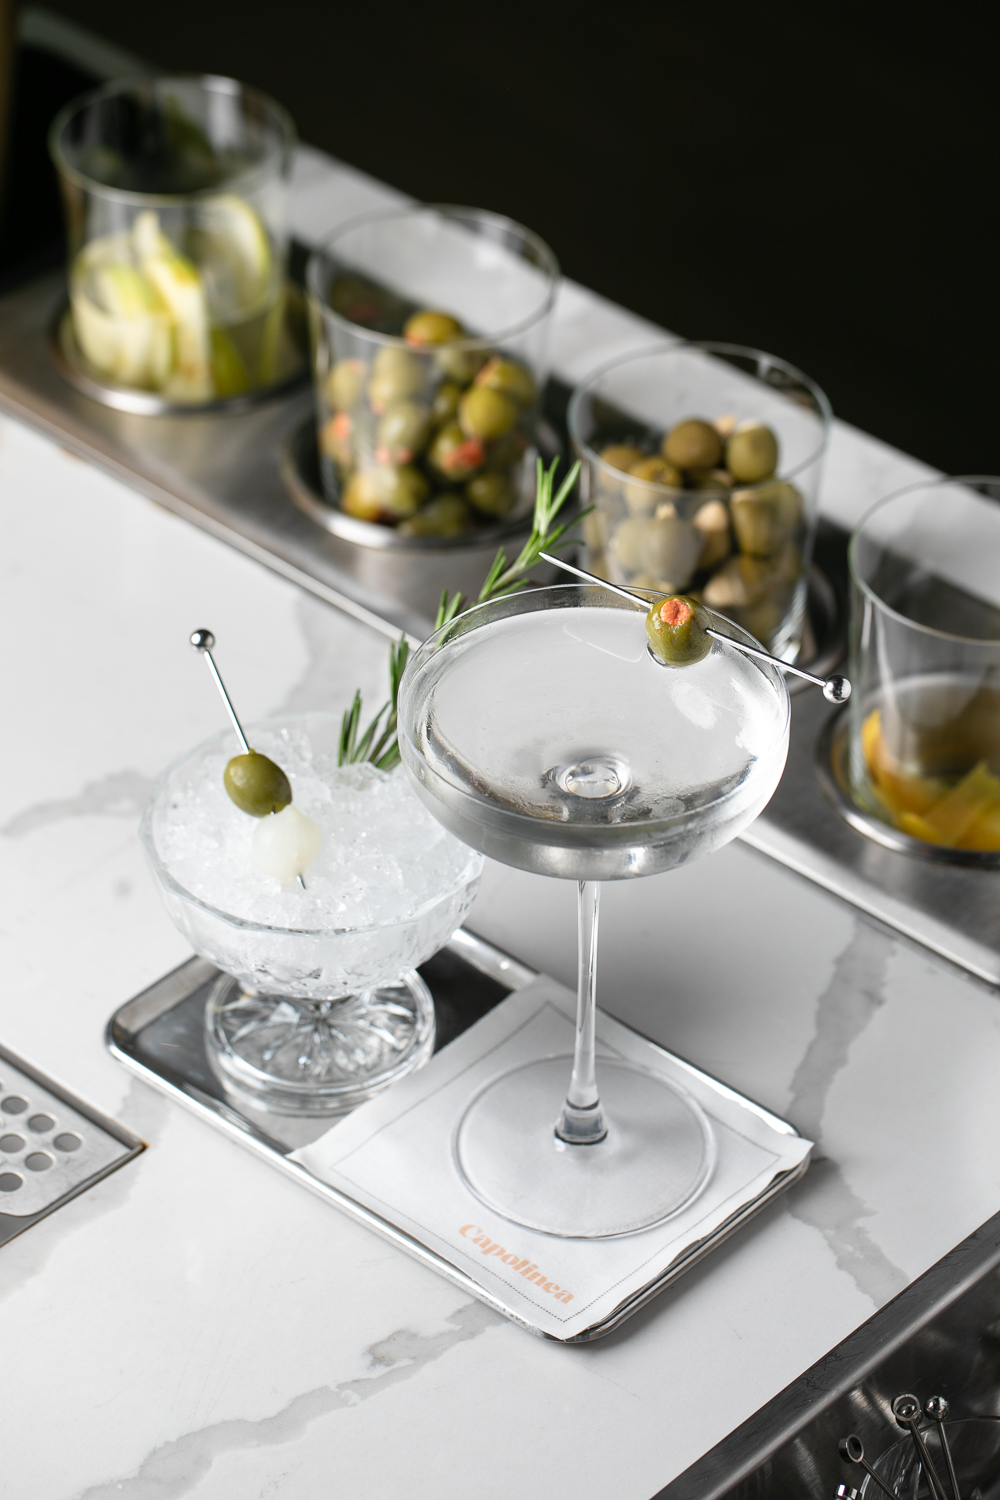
<point>430,352</point>
<point>702,463</point>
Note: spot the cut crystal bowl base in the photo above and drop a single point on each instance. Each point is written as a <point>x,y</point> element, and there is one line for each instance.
<point>657,1156</point>
<point>317,1057</point>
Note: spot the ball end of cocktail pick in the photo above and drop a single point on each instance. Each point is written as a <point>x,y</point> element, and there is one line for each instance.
<point>906,1409</point>
<point>836,690</point>
<point>202,640</point>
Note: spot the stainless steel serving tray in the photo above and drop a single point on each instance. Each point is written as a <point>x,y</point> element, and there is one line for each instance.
<point>159,1036</point>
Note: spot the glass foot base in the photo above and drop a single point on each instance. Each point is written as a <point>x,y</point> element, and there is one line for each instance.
<point>318,1057</point>
<point>657,1156</point>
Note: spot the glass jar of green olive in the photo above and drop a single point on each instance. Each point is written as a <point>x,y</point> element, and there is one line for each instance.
<point>702,463</point>
<point>430,332</point>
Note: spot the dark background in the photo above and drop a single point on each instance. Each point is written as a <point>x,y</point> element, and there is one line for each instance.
<point>820,183</point>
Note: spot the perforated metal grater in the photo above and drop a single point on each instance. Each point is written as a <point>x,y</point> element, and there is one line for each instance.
<point>52,1146</point>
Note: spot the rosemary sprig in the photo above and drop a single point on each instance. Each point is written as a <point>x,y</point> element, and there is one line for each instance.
<point>545,536</point>
<point>378,744</point>
<point>381,748</point>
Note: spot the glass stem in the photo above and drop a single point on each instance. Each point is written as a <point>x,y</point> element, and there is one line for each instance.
<point>582,1121</point>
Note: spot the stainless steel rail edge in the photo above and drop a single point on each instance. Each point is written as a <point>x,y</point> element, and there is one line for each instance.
<point>777,1423</point>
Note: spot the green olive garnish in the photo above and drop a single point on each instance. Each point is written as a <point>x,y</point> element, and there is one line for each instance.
<point>677,631</point>
<point>257,785</point>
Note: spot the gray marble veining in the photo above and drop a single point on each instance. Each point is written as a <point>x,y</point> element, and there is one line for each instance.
<point>121,794</point>
<point>174,1468</point>
<point>826,1200</point>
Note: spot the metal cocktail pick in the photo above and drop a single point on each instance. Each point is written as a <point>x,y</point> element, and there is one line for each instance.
<point>203,641</point>
<point>835,689</point>
<point>907,1412</point>
<point>936,1407</point>
<point>852,1451</point>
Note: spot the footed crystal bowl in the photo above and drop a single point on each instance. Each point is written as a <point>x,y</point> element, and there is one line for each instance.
<point>319,1006</point>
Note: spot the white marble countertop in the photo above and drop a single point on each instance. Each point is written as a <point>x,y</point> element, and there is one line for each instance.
<point>197,1325</point>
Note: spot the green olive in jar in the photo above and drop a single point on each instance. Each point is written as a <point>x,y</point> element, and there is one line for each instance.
<point>506,451</point>
<point>677,631</point>
<point>445,515</point>
<point>492,493</point>
<point>752,453</point>
<point>712,524</point>
<point>693,444</point>
<point>666,546</point>
<point>642,499</point>
<point>656,470</point>
<point>345,384</point>
<point>764,518</point>
<point>427,327</point>
<point>621,456</point>
<point>402,433</point>
<point>508,377</point>
<point>396,376</point>
<point>762,619</point>
<point>740,582</point>
<point>455,456</point>
<point>718,481</point>
<point>336,439</point>
<point>459,363</point>
<point>256,784</point>
<point>486,414</point>
<point>444,407</point>
<point>384,493</point>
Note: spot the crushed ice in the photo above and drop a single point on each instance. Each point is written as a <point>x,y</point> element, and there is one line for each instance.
<point>384,856</point>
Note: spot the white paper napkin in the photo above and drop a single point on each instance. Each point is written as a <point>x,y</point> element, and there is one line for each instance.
<point>395,1156</point>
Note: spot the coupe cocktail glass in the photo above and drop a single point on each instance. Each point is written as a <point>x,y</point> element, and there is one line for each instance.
<point>538,729</point>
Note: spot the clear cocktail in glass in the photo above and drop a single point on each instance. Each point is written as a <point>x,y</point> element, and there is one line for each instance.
<point>539,730</point>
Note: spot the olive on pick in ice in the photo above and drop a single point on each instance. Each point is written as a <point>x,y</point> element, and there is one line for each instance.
<point>257,785</point>
<point>677,631</point>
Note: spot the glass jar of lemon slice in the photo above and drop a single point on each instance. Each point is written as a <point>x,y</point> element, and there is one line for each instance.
<point>175,194</point>
<point>925,664</point>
